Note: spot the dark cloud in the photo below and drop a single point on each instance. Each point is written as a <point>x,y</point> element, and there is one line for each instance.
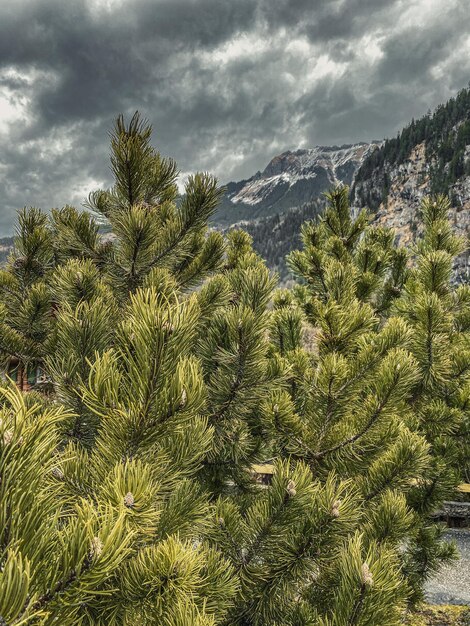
<point>328,21</point>
<point>226,84</point>
<point>409,55</point>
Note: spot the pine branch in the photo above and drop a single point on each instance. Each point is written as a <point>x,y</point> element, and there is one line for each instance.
<point>355,614</point>
<point>237,383</point>
<point>50,595</point>
<point>264,532</point>
<point>350,440</point>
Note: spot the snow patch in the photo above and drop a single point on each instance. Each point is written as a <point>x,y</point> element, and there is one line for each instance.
<point>289,168</point>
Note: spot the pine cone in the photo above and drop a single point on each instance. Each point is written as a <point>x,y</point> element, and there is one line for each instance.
<point>366,575</point>
<point>335,508</point>
<point>129,500</point>
<point>291,490</point>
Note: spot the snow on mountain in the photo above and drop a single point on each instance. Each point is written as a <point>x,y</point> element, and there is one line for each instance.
<point>291,179</point>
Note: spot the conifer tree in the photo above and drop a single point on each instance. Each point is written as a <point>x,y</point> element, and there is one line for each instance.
<point>25,309</point>
<point>340,241</point>
<point>438,315</point>
<point>118,501</point>
<point>357,404</point>
<point>127,491</point>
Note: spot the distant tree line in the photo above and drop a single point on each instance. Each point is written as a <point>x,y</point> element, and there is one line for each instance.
<point>446,133</point>
<point>277,235</point>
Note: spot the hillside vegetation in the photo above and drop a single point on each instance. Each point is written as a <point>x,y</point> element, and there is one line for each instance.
<point>446,135</point>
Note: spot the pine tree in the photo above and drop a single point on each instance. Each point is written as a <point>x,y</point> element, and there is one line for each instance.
<point>362,404</point>
<point>151,234</point>
<point>376,268</point>
<point>438,315</point>
<point>103,514</point>
<point>127,485</point>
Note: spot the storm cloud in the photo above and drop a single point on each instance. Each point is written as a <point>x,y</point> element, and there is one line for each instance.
<point>226,84</point>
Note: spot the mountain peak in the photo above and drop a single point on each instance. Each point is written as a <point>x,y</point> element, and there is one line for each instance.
<point>291,179</point>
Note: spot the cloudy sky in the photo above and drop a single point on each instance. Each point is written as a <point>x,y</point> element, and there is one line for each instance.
<point>226,84</point>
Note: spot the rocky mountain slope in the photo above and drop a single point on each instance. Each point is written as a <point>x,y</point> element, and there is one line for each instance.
<point>291,179</point>
<point>407,184</point>
<point>431,155</point>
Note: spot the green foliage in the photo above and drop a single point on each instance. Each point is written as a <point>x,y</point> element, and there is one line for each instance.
<point>104,511</point>
<point>109,533</point>
<point>345,260</point>
<point>157,390</point>
<point>127,488</point>
<point>382,400</point>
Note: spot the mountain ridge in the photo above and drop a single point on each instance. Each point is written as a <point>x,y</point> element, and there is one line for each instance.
<point>291,179</point>
<point>430,155</point>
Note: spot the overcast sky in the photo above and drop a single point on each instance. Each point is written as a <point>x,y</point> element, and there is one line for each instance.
<point>226,84</point>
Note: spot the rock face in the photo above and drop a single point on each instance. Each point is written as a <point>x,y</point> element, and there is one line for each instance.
<point>407,184</point>
<point>430,155</point>
<point>290,180</point>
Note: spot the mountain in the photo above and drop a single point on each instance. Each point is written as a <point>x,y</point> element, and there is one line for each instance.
<point>291,179</point>
<point>276,235</point>
<point>430,155</point>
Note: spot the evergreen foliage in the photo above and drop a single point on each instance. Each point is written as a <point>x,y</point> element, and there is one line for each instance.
<point>102,514</point>
<point>438,316</point>
<point>384,399</point>
<point>127,488</point>
<point>345,259</point>
<point>277,235</point>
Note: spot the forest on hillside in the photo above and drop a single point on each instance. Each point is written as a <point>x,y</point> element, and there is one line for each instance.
<point>446,134</point>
